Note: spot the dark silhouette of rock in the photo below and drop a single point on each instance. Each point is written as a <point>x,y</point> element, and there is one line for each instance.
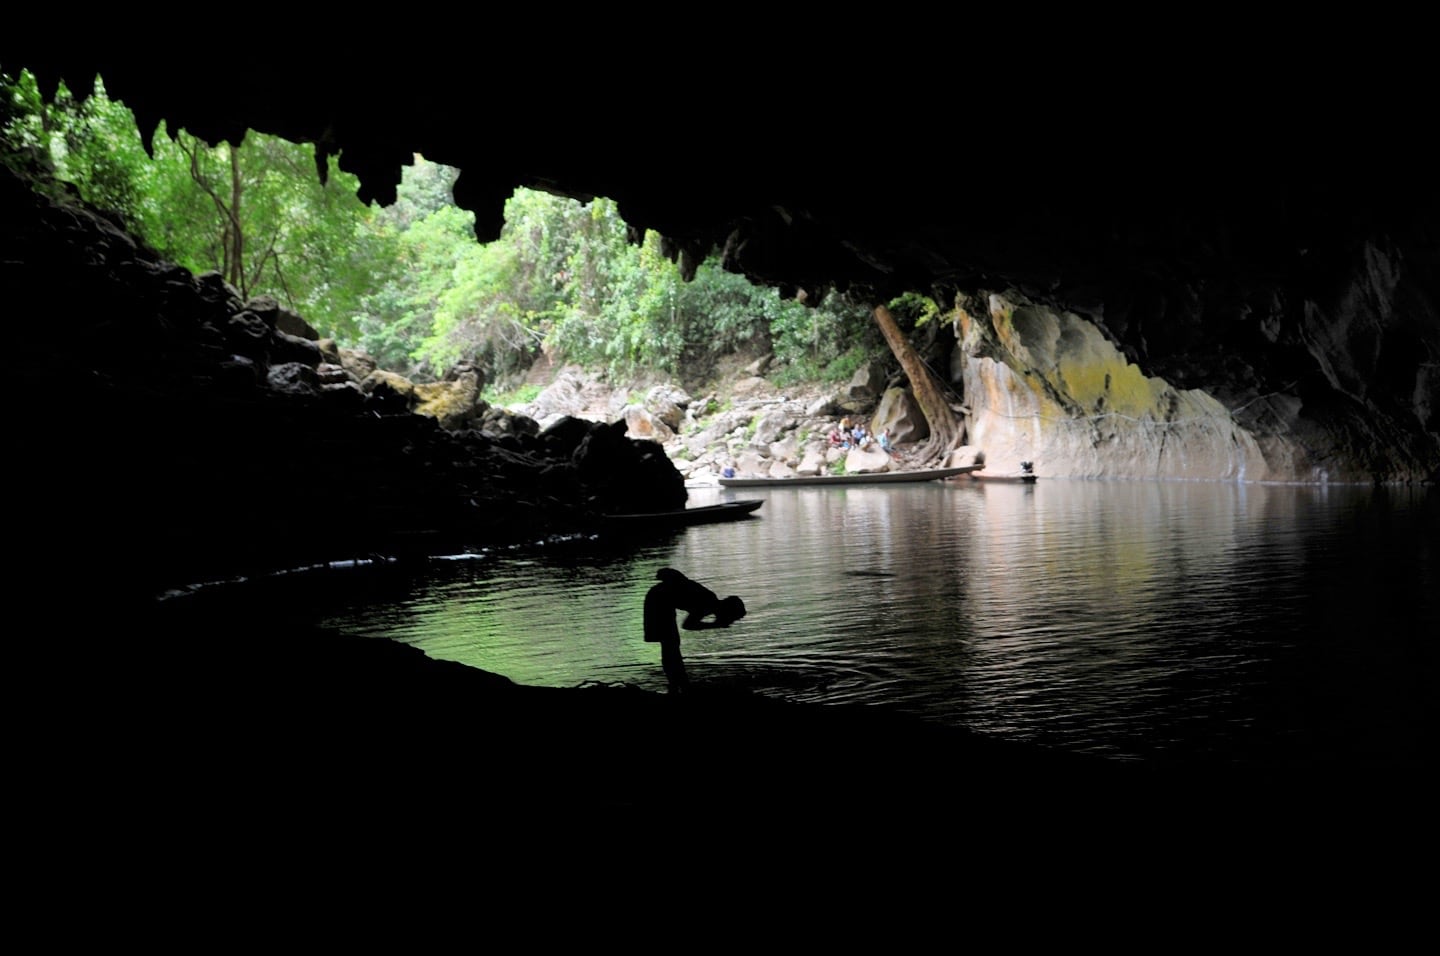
<point>217,442</point>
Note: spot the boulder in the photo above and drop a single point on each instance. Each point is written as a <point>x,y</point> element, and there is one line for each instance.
<point>247,333</point>
<point>563,436</point>
<point>456,404</point>
<point>642,424</point>
<point>500,422</point>
<point>388,392</point>
<point>814,462</point>
<point>780,469</point>
<point>280,318</point>
<point>900,413</point>
<point>786,449</point>
<point>332,374</point>
<point>621,474</point>
<point>343,395</point>
<point>749,462</point>
<point>859,461</point>
<point>559,399</point>
<point>359,364</point>
<point>573,392</point>
<point>330,352</point>
<point>866,385</point>
<point>293,378</point>
<point>772,425</point>
<point>668,403</point>
<point>823,407</point>
<point>285,347</point>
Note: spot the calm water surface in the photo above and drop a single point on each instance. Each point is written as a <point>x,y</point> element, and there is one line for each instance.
<point>1137,620</point>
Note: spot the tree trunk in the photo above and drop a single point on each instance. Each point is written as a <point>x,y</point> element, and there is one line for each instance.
<point>945,432</point>
<point>232,237</point>
<point>237,232</point>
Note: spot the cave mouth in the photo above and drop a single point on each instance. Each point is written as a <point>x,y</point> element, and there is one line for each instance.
<point>813,174</point>
<point>1183,248</point>
<point>253,212</point>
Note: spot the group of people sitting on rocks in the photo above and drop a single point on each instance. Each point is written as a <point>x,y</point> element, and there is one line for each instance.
<point>849,435</point>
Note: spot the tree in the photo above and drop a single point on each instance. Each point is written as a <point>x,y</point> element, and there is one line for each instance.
<point>257,213</point>
<point>408,283</point>
<point>83,138</point>
<point>929,392</point>
<point>254,211</point>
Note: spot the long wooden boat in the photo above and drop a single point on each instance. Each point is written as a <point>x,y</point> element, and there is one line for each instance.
<point>682,517</point>
<point>880,477</point>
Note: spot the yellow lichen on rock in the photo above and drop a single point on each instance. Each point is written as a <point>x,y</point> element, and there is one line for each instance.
<point>454,404</point>
<point>1050,387</point>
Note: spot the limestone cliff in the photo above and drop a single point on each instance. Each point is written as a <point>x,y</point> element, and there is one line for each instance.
<point>1328,370</point>
<point>1047,386</point>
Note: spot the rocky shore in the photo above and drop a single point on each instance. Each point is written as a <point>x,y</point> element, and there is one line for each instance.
<point>749,425</point>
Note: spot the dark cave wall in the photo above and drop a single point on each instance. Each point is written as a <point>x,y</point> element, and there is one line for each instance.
<point>1320,332</point>
<point>1336,354</point>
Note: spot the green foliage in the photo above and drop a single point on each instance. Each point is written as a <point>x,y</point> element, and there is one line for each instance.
<point>255,212</point>
<point>475,318</point>
<point>621,300</point>
<point>623,307</point>
<point>258,214</point>
<point>460,293</point>
<point>722,311</point>
<point>523,395</point>
<point>425,188</point>
<point>913,310</point>
<point>83,139</point>
<point>824,343</point>
<point>408,283</point>
<point>847,363</point>
<point>400,313</point>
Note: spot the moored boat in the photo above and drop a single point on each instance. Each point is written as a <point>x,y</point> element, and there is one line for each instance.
<point>881,477</point>
<point>683,517</point>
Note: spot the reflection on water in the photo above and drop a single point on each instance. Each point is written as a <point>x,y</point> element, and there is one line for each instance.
<point>1145,620</point>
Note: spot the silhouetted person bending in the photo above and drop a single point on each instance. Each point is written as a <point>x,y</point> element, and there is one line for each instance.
<point>676,592</point>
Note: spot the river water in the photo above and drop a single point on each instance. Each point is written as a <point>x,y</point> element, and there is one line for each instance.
<point>1184,622</point>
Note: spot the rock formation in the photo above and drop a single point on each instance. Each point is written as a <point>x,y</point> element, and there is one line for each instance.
<point>1045,385</point>
<point>185,431</point>
<point>1049,387</point>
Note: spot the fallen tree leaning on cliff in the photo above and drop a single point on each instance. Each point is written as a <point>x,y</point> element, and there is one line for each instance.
<point>945,432</point>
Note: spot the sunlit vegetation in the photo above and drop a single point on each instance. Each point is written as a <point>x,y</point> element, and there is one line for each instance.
<point>522,395</point>
<point>409,283</point>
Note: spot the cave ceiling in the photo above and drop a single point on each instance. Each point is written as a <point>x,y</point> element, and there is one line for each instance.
<point>1054,170</point>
